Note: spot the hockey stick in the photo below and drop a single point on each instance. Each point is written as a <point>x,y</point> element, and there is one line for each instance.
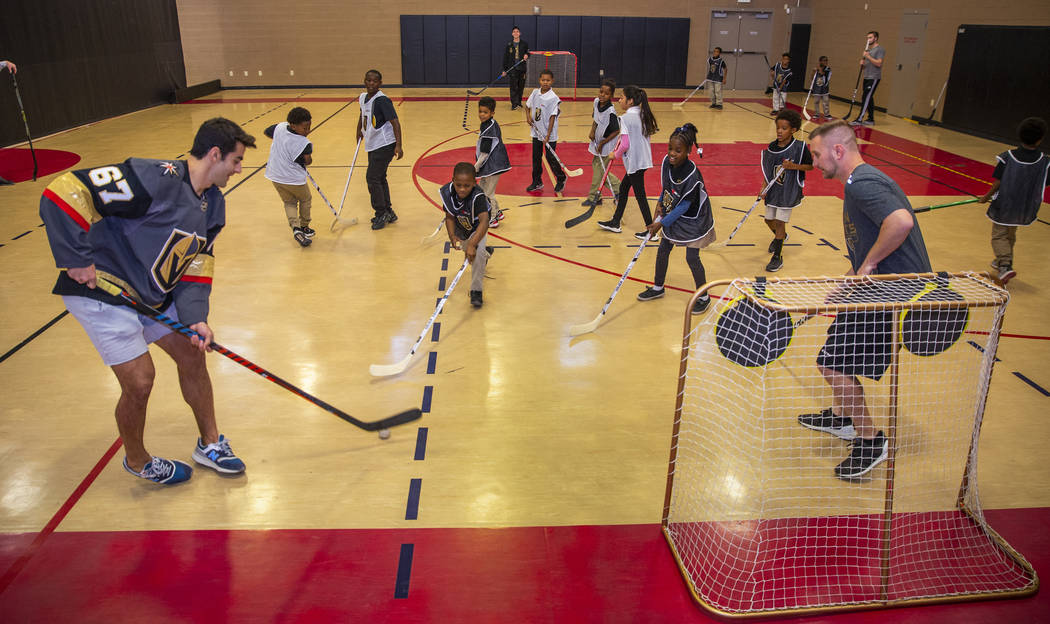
<point>346,187</point>
<point>573,222</point>
<point>958,203</point>
<point>586,328</point>
<point>338,219</point>
<point>141,308</point>
<point>853,98</point>
<point>805,113</point>
<point>769,83</point>
<point>25,122</point>
<point>572,173</point>
<point>434,233</point>
<point>384,370</point>
<point>466,101</point>
<point>776,174</point>
<point>929,119</point>
<point>678,106</point>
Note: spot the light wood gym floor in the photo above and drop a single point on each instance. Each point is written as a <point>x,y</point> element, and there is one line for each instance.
<point>524,427</point>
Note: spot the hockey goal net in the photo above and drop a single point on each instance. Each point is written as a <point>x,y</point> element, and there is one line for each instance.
<point>561,64</point>
<point>755,513</point>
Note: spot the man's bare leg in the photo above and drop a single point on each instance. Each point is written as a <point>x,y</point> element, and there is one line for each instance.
<point>195,383</point>
<point>136,382</point>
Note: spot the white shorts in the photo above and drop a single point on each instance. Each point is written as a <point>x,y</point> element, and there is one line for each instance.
<point>119,333</point>
<point>780,214</point>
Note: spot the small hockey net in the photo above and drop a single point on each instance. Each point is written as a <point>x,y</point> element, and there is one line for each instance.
<point>755,513</point>
<point>561,64</point>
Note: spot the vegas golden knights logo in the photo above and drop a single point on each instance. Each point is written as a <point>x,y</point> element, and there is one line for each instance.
<point>465,221</point>
<point>175,258</point>
<point>667,199</point>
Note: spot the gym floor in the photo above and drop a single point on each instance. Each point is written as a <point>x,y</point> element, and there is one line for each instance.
<point>532,488</point>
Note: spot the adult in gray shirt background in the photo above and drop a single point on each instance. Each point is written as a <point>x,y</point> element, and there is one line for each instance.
<point>871,61</point>
<point>882,236</point>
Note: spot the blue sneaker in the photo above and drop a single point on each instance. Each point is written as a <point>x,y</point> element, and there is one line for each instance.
<point>163,471</point>
<point>218,456</point>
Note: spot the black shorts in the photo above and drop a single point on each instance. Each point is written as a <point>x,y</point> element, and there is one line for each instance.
<point>859,344</point>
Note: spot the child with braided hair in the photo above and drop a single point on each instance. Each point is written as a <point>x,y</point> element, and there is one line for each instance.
<point>685,211</point>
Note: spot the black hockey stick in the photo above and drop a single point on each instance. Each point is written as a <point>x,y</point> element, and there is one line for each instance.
<point>769,87</point>
<point>929,120</point>
<point>466,101</point>
<point>853,98</point>
<point>141,308</point>
<point>26,122</point>
<point>573,222</point>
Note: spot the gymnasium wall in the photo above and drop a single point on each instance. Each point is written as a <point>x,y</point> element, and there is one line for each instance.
<point>80,62</point>
<point>839,27</point>
<point>333,42</point>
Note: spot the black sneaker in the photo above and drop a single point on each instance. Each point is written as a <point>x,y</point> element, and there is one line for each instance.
<point>1006,273</point>
<point>535,186</point>
<point>301,237</point>
<point>773,244</point>
<point>560,186</point>
<point>701,304</point>
<point>490,249</point>
<point>826,421</point>
<point>379,221</point>
<point>610,225</point>
<point>391,216</point>
<point>719,107</point>
<point>650,293</point>
<point>475,298</point>
<point>643,234</point>
<point>775,263</point>
<point>863,456</point>
<point>309,231</point>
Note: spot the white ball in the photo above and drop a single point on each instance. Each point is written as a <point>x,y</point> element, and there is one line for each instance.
<point>384,434</point>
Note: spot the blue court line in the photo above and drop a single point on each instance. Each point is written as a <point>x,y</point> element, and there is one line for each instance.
<point>532,204</point>
<point>592,246</point>
<point>733,209</point>
<point>412,509</point>
<point>802,229</point>
<point>434,335</point>
<point>825,241</point>
<point>1041,221</point>
<point>421,443</point>
<point>1028,381</point>
<point>547,246</point>
<point>33,335</point>
<point>792,244</point>
<point>447,246</point>
<point>22,234</point>
<point>441,282</point>
<point>565,200</point>
<point>432,361</point>
<point>740,244</point>
<point>980,348</point>
<point>404,571</point>
<point>444,264</point>
<point>428,396</point>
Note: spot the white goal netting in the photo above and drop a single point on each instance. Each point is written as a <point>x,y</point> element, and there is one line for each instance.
<point>758,515</point>
<point>561,64</point>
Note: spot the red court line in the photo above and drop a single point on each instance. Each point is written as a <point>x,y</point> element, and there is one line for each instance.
<point>59,516</point>
<point>543,574</point>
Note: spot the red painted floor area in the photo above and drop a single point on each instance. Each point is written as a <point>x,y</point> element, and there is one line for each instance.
<point>16,163</point>
<point>531,574</point>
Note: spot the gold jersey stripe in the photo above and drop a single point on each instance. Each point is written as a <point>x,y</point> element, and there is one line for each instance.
<point>76,196</point>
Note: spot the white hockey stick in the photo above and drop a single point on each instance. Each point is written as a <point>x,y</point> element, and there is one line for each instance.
<point>585,328</point>
<point>679,105</point>
<point>434,233</point>
<point>338,219</point>
<point>346,186</point>
<point>384,370</point>
<point>776,174</point>
<point>572,173</point>
<point>805,113</point>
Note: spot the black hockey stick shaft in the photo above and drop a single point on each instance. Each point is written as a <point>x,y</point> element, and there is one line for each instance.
<point>573,222</point>
<point>25,122</point>
<point>141,308</point>
<point>496,79</point>
<point>856,85</point>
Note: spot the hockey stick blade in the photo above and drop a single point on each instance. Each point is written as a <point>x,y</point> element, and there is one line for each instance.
<point>434,233</point>
<point>338,220</point>
<point>177,327</point>
<point>386,370</point>
<point>585,328</point>
<point>573,222</point>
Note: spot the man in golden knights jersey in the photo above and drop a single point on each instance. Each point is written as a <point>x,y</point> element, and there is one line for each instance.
<point>149,226</point>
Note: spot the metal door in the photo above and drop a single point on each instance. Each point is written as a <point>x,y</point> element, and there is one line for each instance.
<point>904,73</point>
<point>744,37</point>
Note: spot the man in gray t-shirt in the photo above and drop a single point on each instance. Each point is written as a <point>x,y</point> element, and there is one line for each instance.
<point>882,237</point>
<point>871,60</point>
